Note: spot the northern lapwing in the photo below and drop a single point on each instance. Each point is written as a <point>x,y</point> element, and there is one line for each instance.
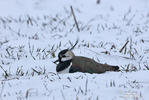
<point>69,63</point>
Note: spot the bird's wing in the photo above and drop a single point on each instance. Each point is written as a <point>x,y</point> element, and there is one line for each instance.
<point>85,64</point>
<point>90,65</point>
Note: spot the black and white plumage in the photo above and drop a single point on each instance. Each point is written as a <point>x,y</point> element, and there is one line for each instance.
<point>68,61</point>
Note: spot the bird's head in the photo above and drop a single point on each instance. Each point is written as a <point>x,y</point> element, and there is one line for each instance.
<point>65,55</point>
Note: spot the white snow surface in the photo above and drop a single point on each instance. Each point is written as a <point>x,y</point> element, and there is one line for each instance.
<point>33,32</point>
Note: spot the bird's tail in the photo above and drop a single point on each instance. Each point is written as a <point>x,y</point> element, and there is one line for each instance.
<point>115,68</point>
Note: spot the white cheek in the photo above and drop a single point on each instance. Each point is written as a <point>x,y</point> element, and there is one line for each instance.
<point>65,70</point>
<point>66,58</point>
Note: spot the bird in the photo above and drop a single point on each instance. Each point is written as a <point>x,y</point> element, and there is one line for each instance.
<point>69,63</point>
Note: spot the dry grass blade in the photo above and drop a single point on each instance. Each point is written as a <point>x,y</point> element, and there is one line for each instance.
<point>123,47</point>
<point>75,19</point>
<point>86,85</point>
<point>5,72</point>
<point>63,95</point>
<point>146,65</point>
<point>36,71</point>
<point>31,51</point>
<point>28,92</point>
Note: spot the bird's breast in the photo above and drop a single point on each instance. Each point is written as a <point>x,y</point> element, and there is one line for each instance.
<point>66,70</point>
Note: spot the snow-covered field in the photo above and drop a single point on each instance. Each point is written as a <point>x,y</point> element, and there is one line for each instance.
<point>33,32</point>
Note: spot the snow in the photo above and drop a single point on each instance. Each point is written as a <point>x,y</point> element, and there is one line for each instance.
<point>32,33</point>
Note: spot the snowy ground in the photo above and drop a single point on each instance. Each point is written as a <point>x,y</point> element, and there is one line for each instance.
<point>33,32</point>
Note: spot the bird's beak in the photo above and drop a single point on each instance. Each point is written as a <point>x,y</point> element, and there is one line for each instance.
<point>56,61</point>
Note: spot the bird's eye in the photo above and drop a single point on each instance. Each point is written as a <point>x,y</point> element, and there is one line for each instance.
<point>63,56</point>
